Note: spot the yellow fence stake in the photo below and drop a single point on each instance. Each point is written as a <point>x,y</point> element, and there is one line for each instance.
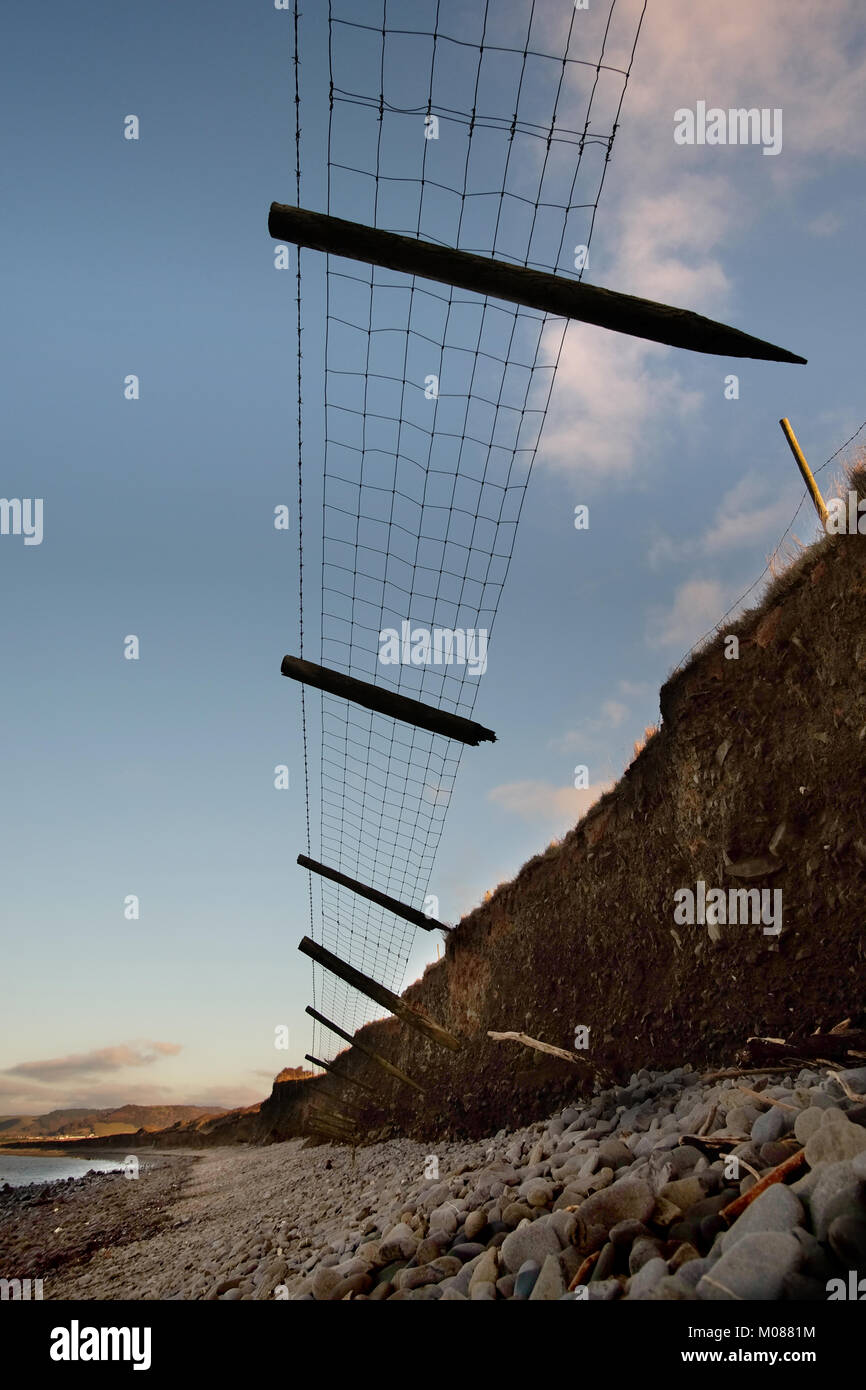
<point>806,471</point>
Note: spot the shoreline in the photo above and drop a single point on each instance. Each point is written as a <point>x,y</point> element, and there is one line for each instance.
<point>51,1228</point>
<point>55,1151</point>
<point>60,1151</point>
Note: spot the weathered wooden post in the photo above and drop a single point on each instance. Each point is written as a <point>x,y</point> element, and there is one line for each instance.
<point>379,993</point>
<point>367,1051</point>
<point>411,914</point>
<point>383,701</point>
<point>553,294</point>
<point>335,1071</point>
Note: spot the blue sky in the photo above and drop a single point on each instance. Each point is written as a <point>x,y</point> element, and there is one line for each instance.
<point>152,257</point>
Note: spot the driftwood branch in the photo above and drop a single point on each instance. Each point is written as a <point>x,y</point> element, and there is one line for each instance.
<point>585,1269</point>
<point>730,1072</point>
<point>811,1047</point>
<point>736,1208</point>
<point>767,1100</point>
<point>533,1042</point>
<point>837,1077</point>
<point>713,1141</point>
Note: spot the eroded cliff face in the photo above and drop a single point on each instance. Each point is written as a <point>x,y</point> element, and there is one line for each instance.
<point>754,781</point>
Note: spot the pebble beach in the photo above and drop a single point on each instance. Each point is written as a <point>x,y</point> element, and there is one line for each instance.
<point>675,1186</point>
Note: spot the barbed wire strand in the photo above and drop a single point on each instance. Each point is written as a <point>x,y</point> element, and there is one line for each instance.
<point>768,566</point>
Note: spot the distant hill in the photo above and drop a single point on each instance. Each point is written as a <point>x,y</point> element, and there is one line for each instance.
<point>172,1125</point>
<point>122,1119</point>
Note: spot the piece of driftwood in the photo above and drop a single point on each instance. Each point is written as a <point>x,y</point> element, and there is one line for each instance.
<point>839,1047</point>
<point>709,1123</point>
<point>767,1100</point>
<point>730,1072</point>
<point>840,1080</point>
<point>852,1096</point>
<point>533,1042</point>
<point>713,1141</point>
<point>586,1268</point>
<point>736,1208</point>
<point>748,1167</point>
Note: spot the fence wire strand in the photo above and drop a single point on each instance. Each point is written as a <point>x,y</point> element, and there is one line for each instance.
<point>434,402</point>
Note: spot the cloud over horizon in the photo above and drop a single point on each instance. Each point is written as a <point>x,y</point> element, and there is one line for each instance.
<point>99,1060</point>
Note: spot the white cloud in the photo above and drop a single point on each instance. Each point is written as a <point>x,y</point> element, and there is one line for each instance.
<point>76,1065</point>
<point>827,224</point>
<point>786,53</point>
<point>747,514</point>
<point>698,605</point>
<point>590,732</point>
<point>613,392</point>
<point>615,712</point>
<point>542,801</point>
<point>605,395</point>
<point>667,243</point>
<point>752,513</point>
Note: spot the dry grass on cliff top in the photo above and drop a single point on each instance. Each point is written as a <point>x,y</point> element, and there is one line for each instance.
<point>787,568</point>
<point>787,571</point>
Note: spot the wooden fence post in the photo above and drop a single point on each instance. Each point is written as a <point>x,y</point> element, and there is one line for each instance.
<point>368,1051</point>
<point>552,294</point>
<point>405,1012</point>
<point>808,477</point>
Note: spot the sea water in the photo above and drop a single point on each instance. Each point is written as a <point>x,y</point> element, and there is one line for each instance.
<point>19,1169</point>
